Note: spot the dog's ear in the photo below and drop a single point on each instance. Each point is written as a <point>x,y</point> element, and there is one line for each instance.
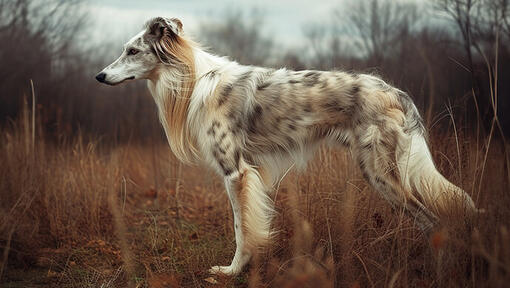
<point>159,27</point>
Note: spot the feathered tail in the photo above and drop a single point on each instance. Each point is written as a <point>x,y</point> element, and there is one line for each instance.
<point>437,193</point>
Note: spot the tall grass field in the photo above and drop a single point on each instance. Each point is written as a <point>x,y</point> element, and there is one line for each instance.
<point>78,213</point>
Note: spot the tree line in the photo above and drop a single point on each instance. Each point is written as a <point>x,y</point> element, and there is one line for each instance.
<point>444,53</point>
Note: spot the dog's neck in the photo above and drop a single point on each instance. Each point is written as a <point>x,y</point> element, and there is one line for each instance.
<point>206,62</point>
<point>179,110</point>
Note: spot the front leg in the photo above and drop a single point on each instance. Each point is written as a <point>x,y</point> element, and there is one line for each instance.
<point>253,209</point>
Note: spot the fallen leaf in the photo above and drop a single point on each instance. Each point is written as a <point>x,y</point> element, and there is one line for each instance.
<point>163,281</point>
<point>52,274</point>
<point>151,193</point>
<point>211,280</point>
<point>438,239</point>
<point>44,262</point>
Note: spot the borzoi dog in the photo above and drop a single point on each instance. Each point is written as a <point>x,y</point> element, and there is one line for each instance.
<point>251,124</point>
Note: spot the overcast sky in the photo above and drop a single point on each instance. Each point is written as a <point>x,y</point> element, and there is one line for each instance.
<point>283,18</point>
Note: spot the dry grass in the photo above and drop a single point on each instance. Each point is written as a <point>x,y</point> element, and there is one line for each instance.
<point>76,214</point>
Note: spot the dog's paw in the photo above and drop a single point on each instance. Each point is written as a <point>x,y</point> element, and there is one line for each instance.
<point>223,270</point>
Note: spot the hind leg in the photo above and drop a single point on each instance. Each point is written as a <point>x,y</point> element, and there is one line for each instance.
<point>376,151</point>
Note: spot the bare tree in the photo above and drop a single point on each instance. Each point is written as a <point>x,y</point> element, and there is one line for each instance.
<point>325,45</point>
<point>375,25</point>
<point>482,24</point>
<point>37,34</point>
<point>491,24</point>
<point>461,11</point>
<point>505,15</point>
<point>37,39</point>
<point>243,40</point>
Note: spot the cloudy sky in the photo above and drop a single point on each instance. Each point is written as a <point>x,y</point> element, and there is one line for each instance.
<point>118,19</point>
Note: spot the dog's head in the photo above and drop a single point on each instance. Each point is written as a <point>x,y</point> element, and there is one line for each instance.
<point>159,44</point>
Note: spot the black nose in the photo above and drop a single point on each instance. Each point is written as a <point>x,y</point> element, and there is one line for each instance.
<point>100,77</point>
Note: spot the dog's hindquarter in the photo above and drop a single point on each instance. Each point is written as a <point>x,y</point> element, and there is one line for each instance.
<point>394,157</point>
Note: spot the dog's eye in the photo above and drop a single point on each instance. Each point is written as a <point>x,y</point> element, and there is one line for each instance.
<point>132,51</point>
